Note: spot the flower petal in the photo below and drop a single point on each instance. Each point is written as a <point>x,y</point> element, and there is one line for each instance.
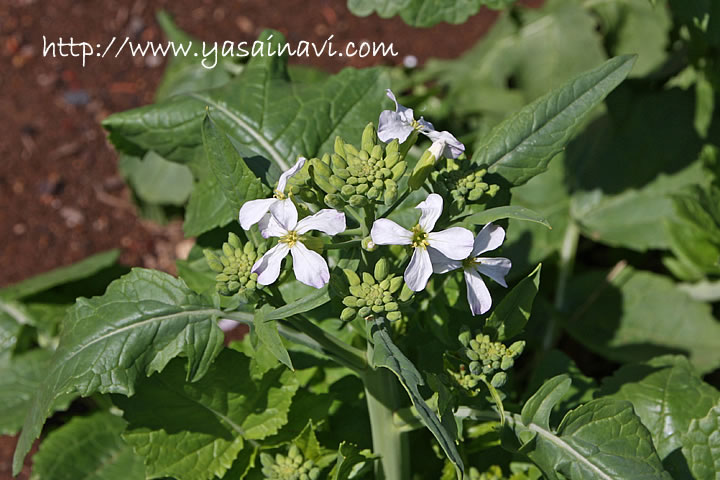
<point>442,264</point>
<point>285,213</point>
<point>387,232</point>
<point>251,212</point>
<point>268,266</point>
<point>285,176</point>
<point>495,268</point>
<point>453,147</point>
<point>226,324</point>
<point>309,267</point>
<point>327,221</point>
<point>393,125</point>
<point>419,270</point>
<point>270,227</point>
<point>431,210</point>
<point>490,237</point>
<point>478,295</point>
<point>455,242</point>
<point>426,127</point>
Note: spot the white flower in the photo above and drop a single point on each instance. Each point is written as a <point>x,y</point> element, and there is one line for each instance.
<point>454,243</point>
<point>489,238</point>
<point>253,211</point>
<point>401,123</point>
<point>310,268</point>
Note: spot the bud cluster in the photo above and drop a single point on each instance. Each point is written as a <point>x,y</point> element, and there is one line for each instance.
<point>233,266</point>
<point>375,295</point>
<point>288,467</point>
<point>360,177</point>
<point>463,185</point>
<point>487,360</point>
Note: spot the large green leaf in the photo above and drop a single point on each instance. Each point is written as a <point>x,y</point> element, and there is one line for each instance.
<point>270,120</point>
<point>637,315</point>
<point>266,330</point>
<point>20,378</point>
<point>522,145</point>
<point>508,319</point>
<point>59,276</point>
<point>510,211</point>
<point>701,445</point>
<point>626,164</point>
<point>144,320</point>
<point>667,394</point>
<point>388,355</point>
<point>157,181</point>
<point>236,180</point>
<point>602,439</point>
<point>89,448</point>
<point>424,13</point>
<point>195,430</point>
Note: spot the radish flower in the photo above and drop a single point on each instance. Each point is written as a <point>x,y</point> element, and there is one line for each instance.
<point>478,295</point>
<point>310,268</point>
<point>455,243</point>
<point>401,123</point>
<point>253,211</point>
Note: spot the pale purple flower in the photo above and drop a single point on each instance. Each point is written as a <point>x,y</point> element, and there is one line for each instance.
<point>455,243</point>
<point>253,211</point>
<point>478,295</point>
<point>310,268</point>
<point>401,123</point>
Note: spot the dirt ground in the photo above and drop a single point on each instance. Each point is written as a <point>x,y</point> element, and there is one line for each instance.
<point>61,197</point>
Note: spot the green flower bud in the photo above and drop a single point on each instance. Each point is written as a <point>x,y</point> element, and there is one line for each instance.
<point>347,190</point>
<point>517,348</point>
<point>499,379</point>
<point>368,279</point>
<point>381,270</point>
<point>406,293</point>
<point>322,167</point>
<point>362,188</point>
<point>213,261</point>
<point>376,152</point>
<point>398,170</point>
<point>394,316</point>
<point>358,201</point>
<point>348,314</point>
<point>324,183</point>
<point>228,250</point>
<point>234,240</point>
<point>391,158</point>
<point>334,201</point>
<point>352,277</point>
<point>422,170</point>
<point>368,245</point>
<point>506,363</point>
<point>339,147</point>
<point>337,162</point>
<point>391,306</point>
<point>369,137</point>
<point>350,151</point>
<point>336,182</point>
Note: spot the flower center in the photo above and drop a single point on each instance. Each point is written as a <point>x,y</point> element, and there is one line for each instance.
<point>279,195</point>
<point>416,125</point>
<point>419,237</point>
<point>471,262</point>
<point>291,238</point>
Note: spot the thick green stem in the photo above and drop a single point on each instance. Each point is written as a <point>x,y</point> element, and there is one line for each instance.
<point>567,261</point>
<point>383,394</point>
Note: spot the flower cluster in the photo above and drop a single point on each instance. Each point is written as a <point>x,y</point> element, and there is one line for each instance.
<point>377,294</point>
<point>288,467</point>
<point>462,185</point>
<point>359,177</point>
<point>485,360</point>
<point>233,266</point>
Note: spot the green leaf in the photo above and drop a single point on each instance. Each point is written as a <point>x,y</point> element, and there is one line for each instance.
<point>144,320</point>
<point>667,394</point>
<point>269,119</point>
<point>185,73</point>
<point>424,13</point>
<point>195,430</point>
<point>236,180</point>
<point>20,378</point>
<point>389,356</point>
<point>701,445</point>
<point>89,448</point>
<point>538,407</point>
<point>510,211</point>
<point>306,303</point>
<point>522,145</point>
<point>626,165</point>
<point>634,315</point>
<point>59,276</point>
<point>267,331</point>
<point>602,439</point>
<point>13,316</point>
<point>157,181</point>
<point>349,459</point>
<point>509,318</point>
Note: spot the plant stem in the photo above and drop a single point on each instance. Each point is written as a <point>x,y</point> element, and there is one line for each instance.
<point>567,261</point>
<point>382,395</point>
<point>395,204</point>
<point>351,232</point>
<point>348,243</point>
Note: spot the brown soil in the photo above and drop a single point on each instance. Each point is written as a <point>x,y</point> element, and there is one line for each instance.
<point>61,198</point>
